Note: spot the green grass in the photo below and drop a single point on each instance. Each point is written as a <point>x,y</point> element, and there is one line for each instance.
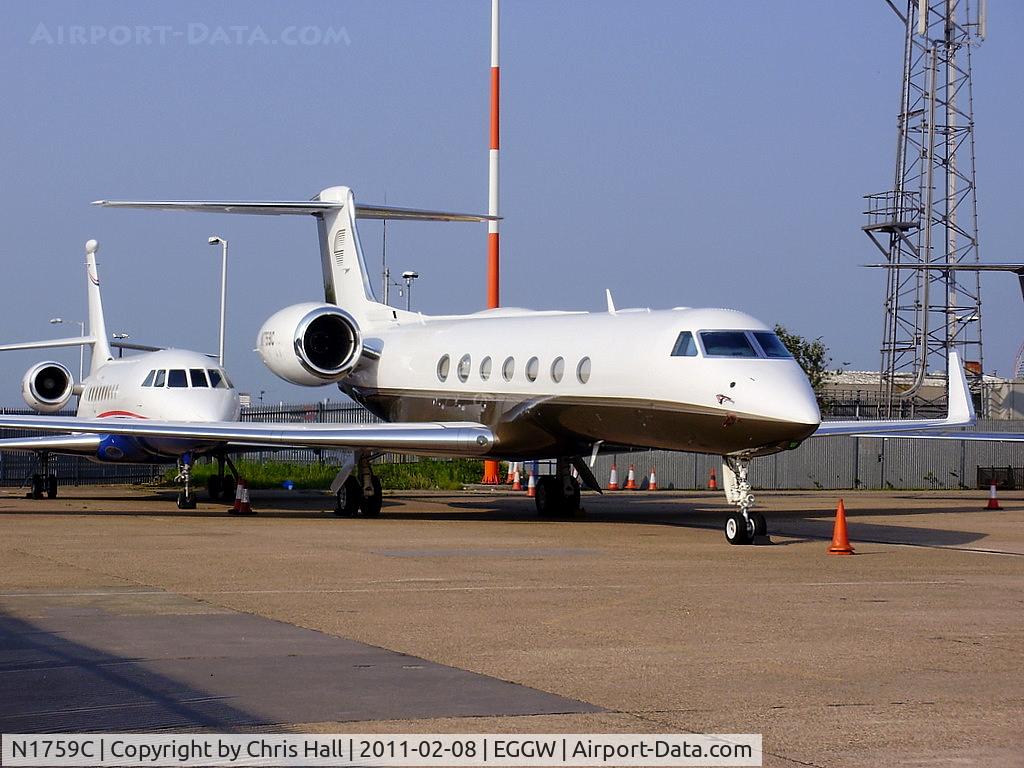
<point>420,475</point>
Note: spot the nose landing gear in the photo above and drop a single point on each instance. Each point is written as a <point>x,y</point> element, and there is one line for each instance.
<point>743,525</point>
<point>187,497</point>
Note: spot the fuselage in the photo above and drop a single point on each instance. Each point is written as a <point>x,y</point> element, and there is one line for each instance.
<point>169,385</point>
<point>556,383</point>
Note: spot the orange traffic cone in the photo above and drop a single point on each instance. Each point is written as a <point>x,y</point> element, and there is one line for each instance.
<point>246,506</point>
<point>516,484</point>
<point>840,541</point>
<point>510,477</point>
<point>631,479</point>
<point>993,502</point>
<point>237,508</point>
<point>712,480</point>
<point>652,484</point>
<point>531,485</point>
<point>613,479</point>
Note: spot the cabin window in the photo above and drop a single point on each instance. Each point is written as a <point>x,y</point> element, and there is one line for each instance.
<point>727,344</point>
<point>160,377</point>
<point>176,378</point>
<point>685,345</point>
<point>771,344</point>
<point>583,370</point>
<point>149,379</point>
<point>558,369</point>
<point>197,376</point>
<point>532,368</point>
<point>485,368</point>
<point>465,363</point>
<point>443,366</point>
<point>508,369</point>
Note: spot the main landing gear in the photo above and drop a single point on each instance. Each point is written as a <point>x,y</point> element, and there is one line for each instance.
<point>742,526</point>
<point>361,492</point>
<point>221,487</point>
<point>42,482</point>
<point>558,494</point>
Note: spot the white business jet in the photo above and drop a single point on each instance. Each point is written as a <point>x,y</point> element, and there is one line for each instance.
<point>520,384</point>
<point>151,408</point>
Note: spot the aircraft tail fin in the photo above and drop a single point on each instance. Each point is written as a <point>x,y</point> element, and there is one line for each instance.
<point>96,338</point>
<point>97,324</point>
<point>346,281</point>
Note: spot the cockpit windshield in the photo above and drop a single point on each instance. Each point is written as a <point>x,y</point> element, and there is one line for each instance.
<point>727,344</point>
<point>771,344</point>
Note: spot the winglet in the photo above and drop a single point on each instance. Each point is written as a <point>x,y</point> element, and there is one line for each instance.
<point>961,406</point>
<point>608,298</point>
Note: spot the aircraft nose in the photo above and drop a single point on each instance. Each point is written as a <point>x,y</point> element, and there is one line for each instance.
<point>790,400</point>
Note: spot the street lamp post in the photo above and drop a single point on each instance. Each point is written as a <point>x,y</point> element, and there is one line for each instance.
<point>81,348</point>
<point>217,240</point>
<point>409,277</point>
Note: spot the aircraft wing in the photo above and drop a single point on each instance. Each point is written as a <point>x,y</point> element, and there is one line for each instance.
<point>960,414</point>
<point>994,437</point>
<point>84,444</point>
<point>430,438</point>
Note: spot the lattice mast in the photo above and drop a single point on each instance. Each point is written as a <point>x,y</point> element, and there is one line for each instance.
<point>930,216</point>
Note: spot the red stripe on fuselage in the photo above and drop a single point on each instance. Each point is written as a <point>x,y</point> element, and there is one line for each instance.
<point>108,414</point>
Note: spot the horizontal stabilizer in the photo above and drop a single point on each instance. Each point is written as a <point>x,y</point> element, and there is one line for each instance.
<point>294,207</point>
<point>74,341</point>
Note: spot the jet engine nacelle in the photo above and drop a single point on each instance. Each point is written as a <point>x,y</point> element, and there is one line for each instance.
<point>310,344</point>
<point>47,387</point>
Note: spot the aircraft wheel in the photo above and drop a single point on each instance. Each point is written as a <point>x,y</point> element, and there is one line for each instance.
<point>349,496</point>
<point>214,488</point>
<point>738,530</point>
<point>227,489</point>
<point>760,524</point>
<point>370,505</point>
<point>51,487</point>
<point>572,501</point>
<point>549,498</point>
<point>38,487</point>
<point>186,501</point>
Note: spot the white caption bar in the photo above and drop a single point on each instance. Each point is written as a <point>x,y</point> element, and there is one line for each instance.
<point>408,749</point>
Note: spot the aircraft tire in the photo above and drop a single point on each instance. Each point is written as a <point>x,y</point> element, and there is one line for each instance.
<point>349,496</point>
<point>548,497</point>
<point>214,488</point>
<point>51,487</point>
<point>370,506</point>
<point>736,529</point>
<point>227,490</point>
<point>760,524</point>
<point>186,502</point>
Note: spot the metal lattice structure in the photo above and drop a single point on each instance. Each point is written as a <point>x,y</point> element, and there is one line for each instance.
<point>929,217</point>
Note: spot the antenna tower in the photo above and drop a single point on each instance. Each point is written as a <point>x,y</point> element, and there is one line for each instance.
<point>930,215</point>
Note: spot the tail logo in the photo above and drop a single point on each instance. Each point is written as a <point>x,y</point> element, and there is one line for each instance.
<point>93,278</point>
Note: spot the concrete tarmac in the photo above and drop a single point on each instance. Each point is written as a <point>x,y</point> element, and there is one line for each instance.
<point>464,612</point>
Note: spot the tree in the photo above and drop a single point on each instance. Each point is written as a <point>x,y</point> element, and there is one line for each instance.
<point>813,358</point>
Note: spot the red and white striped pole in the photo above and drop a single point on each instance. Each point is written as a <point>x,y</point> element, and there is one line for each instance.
<point>493,265</point>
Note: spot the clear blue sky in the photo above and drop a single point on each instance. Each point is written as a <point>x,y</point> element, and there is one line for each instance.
<point>680,153</point>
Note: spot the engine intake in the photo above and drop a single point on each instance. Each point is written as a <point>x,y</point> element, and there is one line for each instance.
<point>47,387</point>
<point>310,344</point>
